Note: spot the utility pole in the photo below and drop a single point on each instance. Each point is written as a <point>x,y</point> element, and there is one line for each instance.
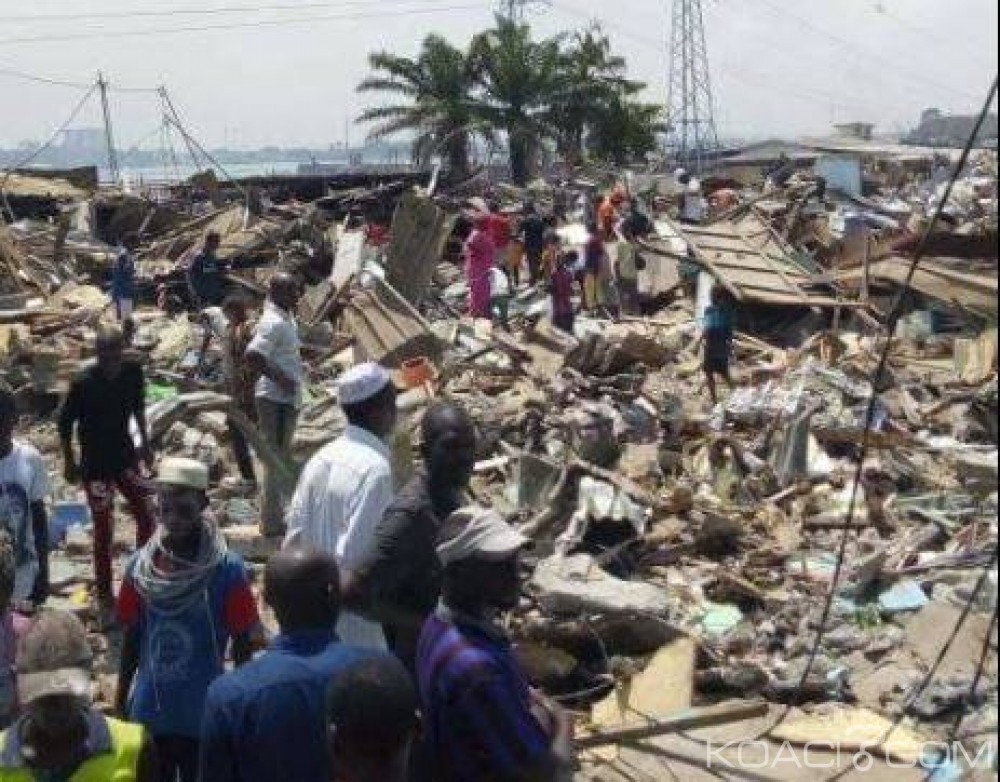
<point>170,112</point>
<point>109,136</point>
<point>692,135</point>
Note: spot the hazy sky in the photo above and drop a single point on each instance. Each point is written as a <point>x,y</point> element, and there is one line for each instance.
<point>283,72</point>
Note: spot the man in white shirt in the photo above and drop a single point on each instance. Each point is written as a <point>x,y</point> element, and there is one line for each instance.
<point>693,203</point>
<point>347,486</point>
<point>24,485</point>
<point>274,355</point>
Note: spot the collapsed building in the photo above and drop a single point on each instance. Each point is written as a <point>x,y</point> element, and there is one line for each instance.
<point>685,581</point>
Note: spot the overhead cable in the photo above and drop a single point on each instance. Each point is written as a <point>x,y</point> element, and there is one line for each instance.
<point>78,36</point>
<point>894,315</point>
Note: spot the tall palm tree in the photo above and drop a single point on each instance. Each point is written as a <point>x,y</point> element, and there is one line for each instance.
<point>591,76</point>
<point>436,87</point>
<point>624,129</point>
<point>518,79</point>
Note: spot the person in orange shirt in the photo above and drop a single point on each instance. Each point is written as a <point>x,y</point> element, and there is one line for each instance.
<point>607,216</point>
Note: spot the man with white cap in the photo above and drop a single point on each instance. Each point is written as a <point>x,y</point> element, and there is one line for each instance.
<point>184,598</point>
<point>60,735</point>
<point>347,486</point>
<point>481,719</point>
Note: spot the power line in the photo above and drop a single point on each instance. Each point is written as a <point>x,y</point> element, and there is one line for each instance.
<point>237,25</point>
<point>43,79</point>
<point>880,9</point>
<point>894,315</point>
<point>849,44</point>
<point>231,9</point>
<point>4,70</point>
<point>45,145</point>
<point>763,81</point>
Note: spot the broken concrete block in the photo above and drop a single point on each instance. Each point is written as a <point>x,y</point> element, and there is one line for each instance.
<point>577,583</point>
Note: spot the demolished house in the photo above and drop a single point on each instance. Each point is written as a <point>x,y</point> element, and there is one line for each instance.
<point>683,555</point>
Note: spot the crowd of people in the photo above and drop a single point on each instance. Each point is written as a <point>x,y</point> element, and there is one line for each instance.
<point>386,605</point>
<point>389,661</point>
<point>602,273</point>
<point>386,601</point>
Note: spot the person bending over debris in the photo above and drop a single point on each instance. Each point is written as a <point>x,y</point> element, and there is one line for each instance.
<point>230,324</point>
<point>347,486</point>
<point>102,401</point>
<point>183,598</point>
<point>400,581</point>
<point>274,354</point>
<point>256,714</point>
<point>482,721</point>
<point>60,735</point>
<point>372,721</point>
<point>24,485</point>
<point>205,274</point>
<point>717,334</point>
<point>479,261</point>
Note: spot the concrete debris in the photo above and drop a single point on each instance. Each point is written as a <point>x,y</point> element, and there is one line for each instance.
<point>685,533</point>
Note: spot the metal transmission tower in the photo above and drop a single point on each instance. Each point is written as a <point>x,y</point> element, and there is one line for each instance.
<point>692,131</point>
<point>517,10</point>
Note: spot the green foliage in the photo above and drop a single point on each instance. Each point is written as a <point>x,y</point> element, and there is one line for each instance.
<point>434,92</point>
<point>567,92</point>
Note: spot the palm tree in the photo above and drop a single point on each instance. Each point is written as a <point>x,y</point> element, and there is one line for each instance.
<point>519,79</point>
<point>591,76</point>
<point>438,110</point>
<point>624,129</point>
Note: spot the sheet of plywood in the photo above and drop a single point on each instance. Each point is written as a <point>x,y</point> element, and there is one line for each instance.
<point>665,685</point>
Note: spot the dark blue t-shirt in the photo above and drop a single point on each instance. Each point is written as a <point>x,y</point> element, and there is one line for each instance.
<point>183,651</point>
<point>123,276</point>
<point>205,278</point>
<point>264,722</point>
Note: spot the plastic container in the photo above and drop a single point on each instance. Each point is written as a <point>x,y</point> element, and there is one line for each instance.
<point>416,372</point>
<point>65,515</point>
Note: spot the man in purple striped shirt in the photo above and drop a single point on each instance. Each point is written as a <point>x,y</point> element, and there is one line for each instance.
<point>482,721</point>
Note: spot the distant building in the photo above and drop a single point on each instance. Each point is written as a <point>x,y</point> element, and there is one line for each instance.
<point>855,130</point>
<point>83,140</point>
<point>937,129</point>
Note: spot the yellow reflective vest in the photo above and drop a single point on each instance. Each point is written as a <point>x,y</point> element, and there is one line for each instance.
<point>118,763</point>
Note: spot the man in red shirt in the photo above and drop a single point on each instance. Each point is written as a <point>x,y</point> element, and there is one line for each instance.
<point>183,600</point>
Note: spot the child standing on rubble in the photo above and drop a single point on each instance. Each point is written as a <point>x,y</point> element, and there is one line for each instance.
<point>717,335</point>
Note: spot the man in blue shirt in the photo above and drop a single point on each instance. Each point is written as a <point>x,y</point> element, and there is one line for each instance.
<point>266,721</point>
<point>123,278</point>
<point>717,334</point>
<point>205,275</point>
<point>483,723</point>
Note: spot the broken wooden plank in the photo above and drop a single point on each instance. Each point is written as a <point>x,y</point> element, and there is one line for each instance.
<point>686,719</point>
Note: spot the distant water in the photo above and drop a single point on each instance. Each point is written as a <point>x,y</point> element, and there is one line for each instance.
<point>155,174</point>
<point>150,174</point>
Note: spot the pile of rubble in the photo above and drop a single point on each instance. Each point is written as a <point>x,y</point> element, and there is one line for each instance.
<point>684,554</point>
